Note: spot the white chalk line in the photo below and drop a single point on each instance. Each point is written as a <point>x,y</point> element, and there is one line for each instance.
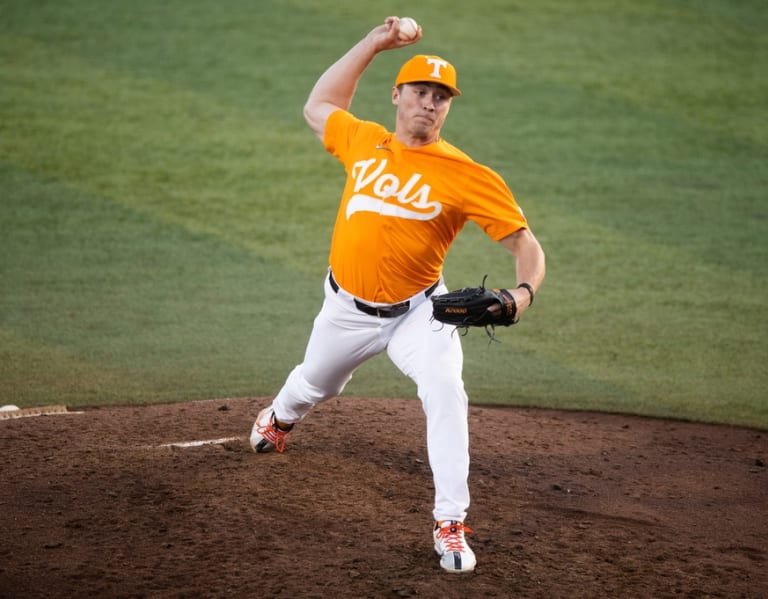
<point>196,443</point>
<point>10,414</point>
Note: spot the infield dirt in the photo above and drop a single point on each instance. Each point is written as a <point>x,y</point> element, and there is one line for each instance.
<point>563,505</point>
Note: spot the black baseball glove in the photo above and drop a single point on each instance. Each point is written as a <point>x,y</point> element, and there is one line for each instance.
<point>474,307</point>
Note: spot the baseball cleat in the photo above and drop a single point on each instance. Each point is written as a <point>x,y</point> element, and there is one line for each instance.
<point>266,434</point>
<point>451,546</point>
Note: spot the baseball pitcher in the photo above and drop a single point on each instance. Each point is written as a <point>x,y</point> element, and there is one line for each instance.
<point>408,193</point>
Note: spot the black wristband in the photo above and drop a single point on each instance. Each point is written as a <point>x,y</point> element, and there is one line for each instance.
<point>529,289</point>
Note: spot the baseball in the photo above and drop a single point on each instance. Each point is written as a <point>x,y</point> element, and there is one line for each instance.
<point>409,29</point>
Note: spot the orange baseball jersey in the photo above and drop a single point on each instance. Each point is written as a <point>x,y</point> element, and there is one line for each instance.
<point>402,208</point>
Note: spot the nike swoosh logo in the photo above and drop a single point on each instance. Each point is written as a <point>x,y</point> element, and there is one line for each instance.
<point>380,147</point>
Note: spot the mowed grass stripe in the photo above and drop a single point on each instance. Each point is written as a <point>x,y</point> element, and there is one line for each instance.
<point>181,156</point>
<point>603,315</point>
<point>625,130</point>
<point>172,313</point>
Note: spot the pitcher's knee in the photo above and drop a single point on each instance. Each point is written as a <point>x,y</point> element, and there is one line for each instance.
<point>302,391</point>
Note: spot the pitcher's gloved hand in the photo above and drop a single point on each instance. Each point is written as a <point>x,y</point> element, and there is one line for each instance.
<point>475,307</point>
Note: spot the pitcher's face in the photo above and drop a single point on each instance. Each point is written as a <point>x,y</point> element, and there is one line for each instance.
<point>421,111</point>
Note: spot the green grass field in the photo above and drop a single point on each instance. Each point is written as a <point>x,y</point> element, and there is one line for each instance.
<point>166,214</point>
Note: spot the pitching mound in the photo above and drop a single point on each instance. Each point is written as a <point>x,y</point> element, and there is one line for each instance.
<point>169,501</point>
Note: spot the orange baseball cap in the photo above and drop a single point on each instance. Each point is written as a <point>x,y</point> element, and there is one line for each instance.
<point>433,69</point>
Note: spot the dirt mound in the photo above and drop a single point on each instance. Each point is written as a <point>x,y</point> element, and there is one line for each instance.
<point>169,501</point>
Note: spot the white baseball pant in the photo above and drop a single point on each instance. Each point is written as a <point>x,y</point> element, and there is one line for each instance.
<point>429,353</point>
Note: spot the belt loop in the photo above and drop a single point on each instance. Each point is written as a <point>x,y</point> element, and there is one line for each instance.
<point>431,290</point>
<point>332,281</point>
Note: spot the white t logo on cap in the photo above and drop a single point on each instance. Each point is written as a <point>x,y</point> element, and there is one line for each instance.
<point>438,64</point>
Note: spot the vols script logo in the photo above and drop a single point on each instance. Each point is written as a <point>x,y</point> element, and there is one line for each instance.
<point>373,187</point>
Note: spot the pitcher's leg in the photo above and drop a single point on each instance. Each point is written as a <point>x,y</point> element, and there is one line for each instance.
<point>445,406</point>
<point>431,355</point>
<point>342,338</point>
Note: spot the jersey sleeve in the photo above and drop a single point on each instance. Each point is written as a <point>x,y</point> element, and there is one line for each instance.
<point>490,204</point>
<point>336,138</point>
<point>343,130</point>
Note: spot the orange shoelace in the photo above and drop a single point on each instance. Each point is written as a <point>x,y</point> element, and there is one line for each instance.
<point>275,435</point>
<point>452,535</point>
